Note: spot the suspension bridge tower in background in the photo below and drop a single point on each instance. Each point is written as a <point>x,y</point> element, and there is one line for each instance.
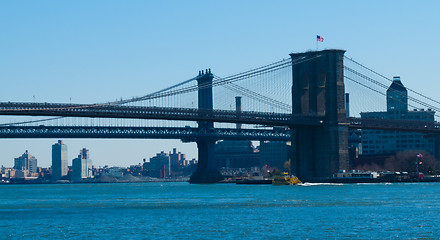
<point>207,168</point>
<point>318,89</point>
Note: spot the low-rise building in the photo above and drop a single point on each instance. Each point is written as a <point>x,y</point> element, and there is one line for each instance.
<point>177,161</point>
<point>159,165</point>
<point>114,172</point>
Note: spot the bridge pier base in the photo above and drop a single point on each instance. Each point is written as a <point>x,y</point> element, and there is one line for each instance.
<point>320,152</point>
<point>207,169</point>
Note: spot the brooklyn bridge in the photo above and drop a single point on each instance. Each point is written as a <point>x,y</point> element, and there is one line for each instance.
<point>302,99</point>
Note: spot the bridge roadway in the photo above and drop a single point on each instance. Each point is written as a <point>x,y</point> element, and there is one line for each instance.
<point>190,114</point>
<point>191,133</point>
<point>186,133</point>
<point>139,112</point>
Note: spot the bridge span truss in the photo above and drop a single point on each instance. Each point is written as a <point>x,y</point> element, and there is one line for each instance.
<point>186,133</point>
<point>164,113</point>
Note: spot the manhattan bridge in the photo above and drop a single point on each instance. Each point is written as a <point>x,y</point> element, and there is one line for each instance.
<point>301,99</point>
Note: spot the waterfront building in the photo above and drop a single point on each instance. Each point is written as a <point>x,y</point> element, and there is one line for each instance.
<point>82,166</point>
<point>389,142</point>
<point>21,173</point>
<point>59,161</point>
<point>146,168</point>
<point>275,153</point>
<point>160,165</point>
<point>26,162</point>
<point>33,165</point>
<point>9,173</point>
<point>192,162</point>
<point>236,154</point>
<point>354,145</point>
<point>177,160</point>
<point>114,172</point>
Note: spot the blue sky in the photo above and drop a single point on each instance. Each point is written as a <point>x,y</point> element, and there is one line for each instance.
<point>95,51</point>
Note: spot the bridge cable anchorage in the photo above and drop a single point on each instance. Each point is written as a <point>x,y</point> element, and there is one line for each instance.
<point>386,87</point>
<point>390,80</point>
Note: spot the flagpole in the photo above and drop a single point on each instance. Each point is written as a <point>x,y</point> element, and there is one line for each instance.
<point>318,39</point>
<point>316,43</point>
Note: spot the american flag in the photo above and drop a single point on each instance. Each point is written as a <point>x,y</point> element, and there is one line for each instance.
<point>319,38</point>
<point>419,155</point>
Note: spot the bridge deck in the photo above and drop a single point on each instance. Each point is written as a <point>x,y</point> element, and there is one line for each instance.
<point>190,114</point>
<point>186,133</point>
<point>138,112</point>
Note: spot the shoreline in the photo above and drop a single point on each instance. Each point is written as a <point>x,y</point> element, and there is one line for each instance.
<point>241,182</point>
<point>94,181</point>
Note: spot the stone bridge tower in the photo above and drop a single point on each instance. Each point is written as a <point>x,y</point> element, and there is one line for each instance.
<point>207,169</point>
<point>318,89</point>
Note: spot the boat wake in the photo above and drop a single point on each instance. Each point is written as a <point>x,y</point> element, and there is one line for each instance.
<point>306,184</point>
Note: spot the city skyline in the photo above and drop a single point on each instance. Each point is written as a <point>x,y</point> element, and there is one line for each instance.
<point>74,154</point>
<point>98,52</point>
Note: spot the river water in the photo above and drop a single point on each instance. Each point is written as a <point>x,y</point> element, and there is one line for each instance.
<point>220,211</point>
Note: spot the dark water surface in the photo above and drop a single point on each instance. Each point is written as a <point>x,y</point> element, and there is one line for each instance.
<point>226,211</point>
